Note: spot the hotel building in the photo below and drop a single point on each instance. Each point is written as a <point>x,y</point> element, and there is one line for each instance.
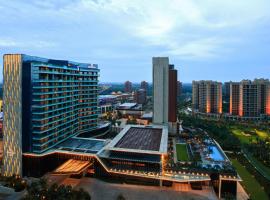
<point>207,96</point>
<point>250,99</point>
<point>46,101</point>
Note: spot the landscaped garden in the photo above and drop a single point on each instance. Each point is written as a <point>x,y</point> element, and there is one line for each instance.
<point>247,139</point>
<point>248,135</point>
<point>256,146</point>
<point>181,151</point>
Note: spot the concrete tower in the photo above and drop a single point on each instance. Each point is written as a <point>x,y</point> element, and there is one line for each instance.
<point>160,89</point>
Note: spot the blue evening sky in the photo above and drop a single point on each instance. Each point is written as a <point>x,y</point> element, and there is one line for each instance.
<point>205,39</point>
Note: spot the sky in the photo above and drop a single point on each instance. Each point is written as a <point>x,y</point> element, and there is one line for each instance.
<point>206,40</point>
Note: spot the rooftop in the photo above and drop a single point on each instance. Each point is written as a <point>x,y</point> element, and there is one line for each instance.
<point>141,139</point>
<point>66,63</point>
<point>127,105</point>
<point>83,145</point>
<point>106,96</point>
<point>147,115</point>
<point>72,167</point>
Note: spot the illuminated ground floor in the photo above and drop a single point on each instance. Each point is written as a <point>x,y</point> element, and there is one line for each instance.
<point>137,155</point>
<point>78,166</point>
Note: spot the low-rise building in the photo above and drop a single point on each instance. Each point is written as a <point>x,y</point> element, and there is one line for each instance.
<point>133,110</point>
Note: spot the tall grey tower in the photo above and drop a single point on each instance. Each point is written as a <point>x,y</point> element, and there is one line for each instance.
<point>160,89</point>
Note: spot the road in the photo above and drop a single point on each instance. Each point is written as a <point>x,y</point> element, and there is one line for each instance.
<point>260,170</point>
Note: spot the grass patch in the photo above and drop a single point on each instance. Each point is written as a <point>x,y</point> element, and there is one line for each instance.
<point>248,135</point>
<point>249,182</point>
<point>262,134</point>
<point>242,137</point>
<point>181,151</point>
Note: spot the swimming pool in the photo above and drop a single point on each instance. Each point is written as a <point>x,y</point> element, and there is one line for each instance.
<point>216,154</point>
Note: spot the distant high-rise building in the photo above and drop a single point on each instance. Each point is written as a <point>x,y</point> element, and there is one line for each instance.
<point>140,96</point>
<point>144,85</point>
<point>179,89</point>
<point>250,98</point>
<point>128,87</point>
<point>235,104</point>
<point>226,97</point>
<point>207,96</point>
<point>227,90</point>
<point>45,102</point>
<point>264,95</point>
<point>164,91</point>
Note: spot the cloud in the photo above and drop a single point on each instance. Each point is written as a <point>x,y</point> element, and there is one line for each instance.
<point>130,32</point>
<point>9,42</point>
<point>203,48</point>
<point>158,22</point>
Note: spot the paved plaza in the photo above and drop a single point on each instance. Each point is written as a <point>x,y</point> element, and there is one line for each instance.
<point>100,190</point>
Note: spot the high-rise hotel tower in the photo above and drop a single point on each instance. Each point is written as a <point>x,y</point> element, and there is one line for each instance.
<point>164,92</point>
<point>207,96</point>
<point>45,102</point>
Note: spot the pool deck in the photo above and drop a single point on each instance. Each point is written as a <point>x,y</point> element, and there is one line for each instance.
<point>216,155</point>
<point>217,150</point>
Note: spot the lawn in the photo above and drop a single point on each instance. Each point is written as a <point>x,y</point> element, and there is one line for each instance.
<point>240,134</point>
<point>249,182</point>
<point>262,134</point>
<point>247,135</point>
<point>182,154</point>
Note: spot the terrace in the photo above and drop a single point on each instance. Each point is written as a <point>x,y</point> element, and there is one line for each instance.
<point>195,151</point>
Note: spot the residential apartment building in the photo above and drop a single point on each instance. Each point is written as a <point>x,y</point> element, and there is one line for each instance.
<point>207,96</point>
<point>234,96</point>
<point>250,99</point>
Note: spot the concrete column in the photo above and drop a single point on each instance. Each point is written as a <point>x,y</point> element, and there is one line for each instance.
<point>219,188</point>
